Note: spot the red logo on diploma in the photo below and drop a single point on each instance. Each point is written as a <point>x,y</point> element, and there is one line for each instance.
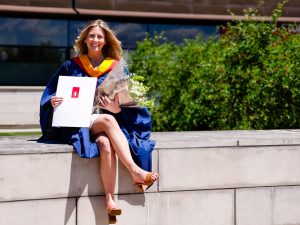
<point>75,92</point>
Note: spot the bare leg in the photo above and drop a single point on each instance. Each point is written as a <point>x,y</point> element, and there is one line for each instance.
<point>107,124</point>
<point>107,169</point>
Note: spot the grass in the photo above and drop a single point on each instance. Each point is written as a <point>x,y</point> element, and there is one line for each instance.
<point>11,134</point>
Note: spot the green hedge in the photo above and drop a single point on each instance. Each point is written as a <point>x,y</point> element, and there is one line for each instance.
<point>248,78</point>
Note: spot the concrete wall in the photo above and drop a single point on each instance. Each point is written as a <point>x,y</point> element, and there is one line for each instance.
<point>19,106</point>
<point>214,178</point>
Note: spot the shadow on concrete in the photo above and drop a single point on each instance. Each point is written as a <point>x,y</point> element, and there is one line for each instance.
<point>83,183</point>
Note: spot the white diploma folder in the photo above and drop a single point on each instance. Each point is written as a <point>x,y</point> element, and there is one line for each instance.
<point>78,97</point>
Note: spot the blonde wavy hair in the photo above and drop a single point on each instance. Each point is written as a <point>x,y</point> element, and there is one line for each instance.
<point>112,48</point>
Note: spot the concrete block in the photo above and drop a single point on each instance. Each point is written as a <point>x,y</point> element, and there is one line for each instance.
<point>22,97</point>
<point>34,176</point>
<point>192,139</point>
<point>92,210</point>
<point>286,206</point>
<point>269,137</point>
<point>270,141</point>
<point>8,118</point>
<point>7,108</point>
<point>26,118</point>
<point>7,97</point>
<point>27,107</point>
<point>19,145</point>
<point>201,139</point>
<point>210,168</point>
<point>158,208</point>
<point>38,176</point>
<point>20,106</point>
<point>195,207</point>
<point>254,206</point>
<point>201,207</point>
<point>46,212</point>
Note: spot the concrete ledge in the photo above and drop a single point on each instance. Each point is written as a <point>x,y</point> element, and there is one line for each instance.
<point>215,177</point>
<point>192,139</point>
<point>169,140</point>
<point>56,175</point>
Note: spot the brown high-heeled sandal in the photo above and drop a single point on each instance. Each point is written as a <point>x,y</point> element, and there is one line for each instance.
<point>112,213</point>
<point>112,219</point>
<point>143,186</point>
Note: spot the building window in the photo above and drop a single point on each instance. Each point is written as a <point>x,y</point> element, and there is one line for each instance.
<point>33,32</point>
<point>177,33</point>
<point>33,49</point>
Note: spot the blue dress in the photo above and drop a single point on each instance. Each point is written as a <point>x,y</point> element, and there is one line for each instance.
<point>134,122</point>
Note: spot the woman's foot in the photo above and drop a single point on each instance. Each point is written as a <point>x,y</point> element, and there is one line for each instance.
<point>143,179</point>
<point>112,208</point>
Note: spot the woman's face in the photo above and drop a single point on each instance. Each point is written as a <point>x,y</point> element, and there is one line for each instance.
<point>95,40</point>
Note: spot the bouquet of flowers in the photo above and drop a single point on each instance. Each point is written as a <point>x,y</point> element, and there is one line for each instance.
<point>129,87</point>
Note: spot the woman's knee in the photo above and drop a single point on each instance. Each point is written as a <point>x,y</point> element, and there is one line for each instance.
<point>108,120</point>
<point>103,144</point>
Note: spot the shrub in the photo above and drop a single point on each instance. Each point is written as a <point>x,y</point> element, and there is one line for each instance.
<point>246,79</point>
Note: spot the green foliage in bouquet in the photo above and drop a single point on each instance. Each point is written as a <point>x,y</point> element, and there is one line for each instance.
<point>138,91</point>
<point>129,87</point>
<point>247,78</point>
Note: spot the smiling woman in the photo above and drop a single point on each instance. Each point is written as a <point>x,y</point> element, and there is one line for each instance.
<point>124,132</point>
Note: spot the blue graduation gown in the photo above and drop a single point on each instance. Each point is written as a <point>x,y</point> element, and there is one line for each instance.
<point>134,122</point>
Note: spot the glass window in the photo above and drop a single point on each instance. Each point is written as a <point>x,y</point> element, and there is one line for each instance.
<point>74,29</point>
<point>129,33</point>
<point>31,49</point>
<point>177,33</point>
<point>33,32</point>
<point>29,65</point>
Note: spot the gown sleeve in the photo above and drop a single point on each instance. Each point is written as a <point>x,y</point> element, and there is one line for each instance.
<point>46,110</point>
<point>78,137</point>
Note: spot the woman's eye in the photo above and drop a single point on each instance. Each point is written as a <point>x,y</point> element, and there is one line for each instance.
<point>92,36</point>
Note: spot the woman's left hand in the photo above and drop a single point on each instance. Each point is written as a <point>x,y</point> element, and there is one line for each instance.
<point>110,105</point>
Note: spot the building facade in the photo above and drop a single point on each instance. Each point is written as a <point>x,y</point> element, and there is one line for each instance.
<point>37,35</point>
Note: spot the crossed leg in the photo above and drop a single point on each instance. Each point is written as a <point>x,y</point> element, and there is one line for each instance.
<point>111,141</point>
<point>107,124</point>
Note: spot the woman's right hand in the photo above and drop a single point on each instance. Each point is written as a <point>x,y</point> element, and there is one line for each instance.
<point>56,101</point>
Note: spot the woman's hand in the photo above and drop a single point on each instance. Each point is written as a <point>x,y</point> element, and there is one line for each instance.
<point>56,101</point>
<point>112,106</point>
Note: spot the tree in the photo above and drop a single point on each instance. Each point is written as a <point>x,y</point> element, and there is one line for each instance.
<point>249,78</point>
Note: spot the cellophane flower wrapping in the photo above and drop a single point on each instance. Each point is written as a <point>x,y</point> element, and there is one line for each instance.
<point>129,87</point>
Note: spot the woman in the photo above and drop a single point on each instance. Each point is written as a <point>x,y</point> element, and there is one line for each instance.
<point>124,132</point>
